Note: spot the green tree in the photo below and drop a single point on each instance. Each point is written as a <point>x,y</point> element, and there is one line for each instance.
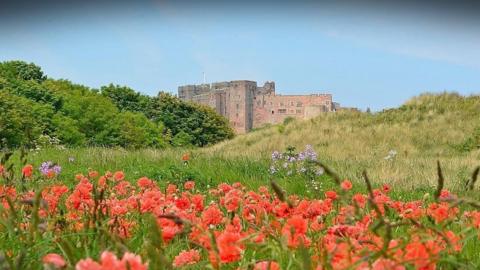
<point>126,99</point>
<point>66,129</point>
<point>22,71</point>
<point>202,123</point>
<point>137,131</point>
<point>19,125</point>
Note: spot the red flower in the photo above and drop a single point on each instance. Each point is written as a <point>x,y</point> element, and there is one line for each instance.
<point>144,183</point>
<point>27,171</point>
<point>119,176</point>
<point>346,185</point>
<point>228,247</point>
<point>54,260</point>
<point>267,265</point>
<point>212,215</point>
<point>331,194</point>
<point>189,185</point>
<point>186,258</point>
<point>108,261</point>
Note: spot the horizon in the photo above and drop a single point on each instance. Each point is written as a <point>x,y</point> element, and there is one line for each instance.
<point>366,54</point>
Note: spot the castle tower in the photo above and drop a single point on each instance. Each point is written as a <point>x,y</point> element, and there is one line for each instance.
<point>240,96</point>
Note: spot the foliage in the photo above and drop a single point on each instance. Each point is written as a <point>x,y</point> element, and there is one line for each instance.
<point>203,125</point>
<point>21,71</point>
<point>111,221</point>
<point>126,99</point>
<point>137,131</point>
<point>18,122</point>
<point>76,115</point>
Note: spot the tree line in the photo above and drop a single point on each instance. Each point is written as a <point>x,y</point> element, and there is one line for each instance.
<point>37,110</point>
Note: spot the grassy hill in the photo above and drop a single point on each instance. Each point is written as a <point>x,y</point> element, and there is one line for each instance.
<point>426,128</point>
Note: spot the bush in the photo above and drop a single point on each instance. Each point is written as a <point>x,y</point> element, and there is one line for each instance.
<point>201,123</point>
<point>137,131</point>
<point>18,122</point>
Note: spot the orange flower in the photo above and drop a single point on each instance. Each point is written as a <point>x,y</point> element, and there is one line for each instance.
<point>186,157</point>
<point>27,171</point>
<point>119,176</point>
<point>346,185</point>
<point>93,174</point>
<point>2,169</point>
<point>212,215</point>
<point>186,258</point>
<point>331,194</point>
<point>267,265</point>
<point>189,185</point>
<point>55,260</point>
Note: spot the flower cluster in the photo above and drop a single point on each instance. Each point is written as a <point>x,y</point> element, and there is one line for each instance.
<point>223,226</point>
<point>49,169</point>
<point>302,164</point>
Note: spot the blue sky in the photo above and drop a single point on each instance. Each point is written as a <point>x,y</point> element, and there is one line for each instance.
<point>366,56</point>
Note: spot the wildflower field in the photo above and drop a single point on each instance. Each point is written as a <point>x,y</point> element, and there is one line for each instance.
<point>66,209</point>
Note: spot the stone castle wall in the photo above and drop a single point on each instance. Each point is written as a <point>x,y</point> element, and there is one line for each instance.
<point>248,106</point>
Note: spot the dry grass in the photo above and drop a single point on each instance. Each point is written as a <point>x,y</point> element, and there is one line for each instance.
<point>426,128</point>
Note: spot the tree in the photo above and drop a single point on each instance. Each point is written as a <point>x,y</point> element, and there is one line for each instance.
<point>18,123</point>
<point>33,106</point>
<point>137,131</point>
<point>125,98</point>
<point>203,124</point>
<point>22,71</point>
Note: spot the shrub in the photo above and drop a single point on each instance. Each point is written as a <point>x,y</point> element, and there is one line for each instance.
<point>202,123</point>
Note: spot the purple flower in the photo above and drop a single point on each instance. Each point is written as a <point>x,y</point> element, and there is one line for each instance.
<point>309,153</point>
<point>45,167</point>
<point>48,166</point>
<point>57,169</point>
<point>276,155</point>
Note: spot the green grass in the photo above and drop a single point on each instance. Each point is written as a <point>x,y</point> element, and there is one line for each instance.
<point>207,169</point>
<point>423,131</point>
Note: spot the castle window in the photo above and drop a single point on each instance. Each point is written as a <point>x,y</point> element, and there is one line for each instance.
<point>291,103</point>
<point>273,112</point>
<point>291,111</point>
<point>282,110</point>
<point>238,106</point>
<point>299,111</point>
<point>299,104</point>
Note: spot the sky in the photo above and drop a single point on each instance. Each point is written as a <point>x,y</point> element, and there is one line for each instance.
<point>374,54</point>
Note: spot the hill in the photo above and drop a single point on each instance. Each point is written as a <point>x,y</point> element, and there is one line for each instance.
<point>398,145</point>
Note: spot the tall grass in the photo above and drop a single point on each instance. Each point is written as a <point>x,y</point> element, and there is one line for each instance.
<point>427,128</point>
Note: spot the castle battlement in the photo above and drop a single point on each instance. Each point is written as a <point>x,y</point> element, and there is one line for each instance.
<point>248,106</point>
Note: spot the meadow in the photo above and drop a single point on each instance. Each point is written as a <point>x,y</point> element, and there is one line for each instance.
<point>341,191</point>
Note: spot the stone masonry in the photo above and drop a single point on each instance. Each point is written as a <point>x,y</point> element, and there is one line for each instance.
<point>248,106</point>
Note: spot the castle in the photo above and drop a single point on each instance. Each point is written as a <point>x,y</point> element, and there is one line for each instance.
<point>248,106</point>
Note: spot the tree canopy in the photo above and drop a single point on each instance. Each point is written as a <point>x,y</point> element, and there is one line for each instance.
<point>33,106</point>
